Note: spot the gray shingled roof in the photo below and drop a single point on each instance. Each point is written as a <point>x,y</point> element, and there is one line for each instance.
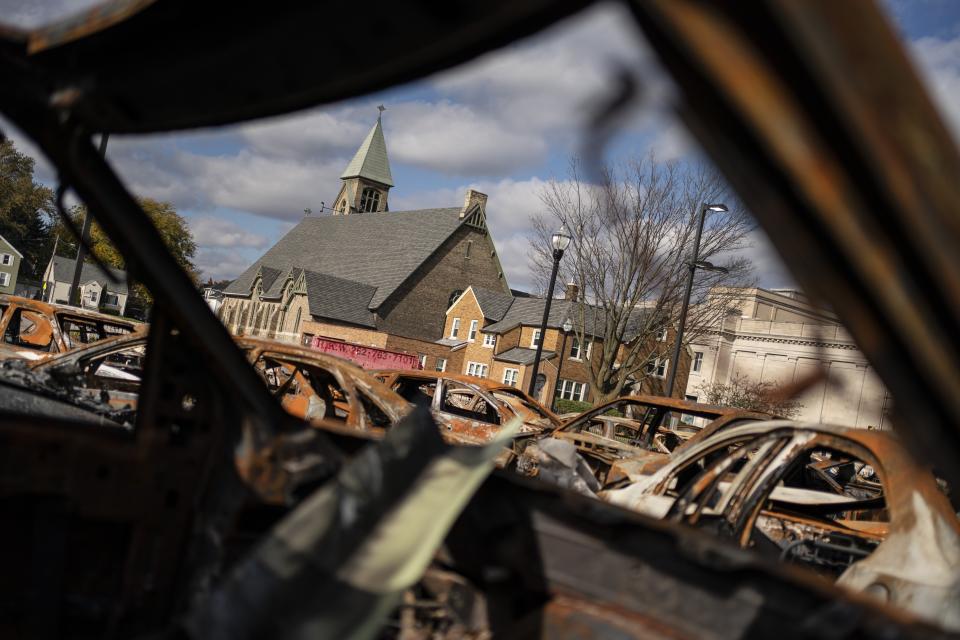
<point>63,272</point>
<point>380,250</point>
<point>339,299</point>
<point>370,161</point>
<point>529,312</point>
<point>521,355</point>
<point>493,304</point>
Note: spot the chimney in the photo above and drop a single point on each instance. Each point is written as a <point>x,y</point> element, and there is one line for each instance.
<point>474,197</point>
<point>572,292</point>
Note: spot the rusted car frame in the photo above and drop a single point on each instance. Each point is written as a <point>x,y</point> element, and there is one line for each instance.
<point>619,447</point>
<point>488,406</point>
<point>752,505</point>
<point>31,328</point>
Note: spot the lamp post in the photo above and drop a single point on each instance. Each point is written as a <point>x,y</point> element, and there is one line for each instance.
<point>560,241</point>
<point>693,265</point>
<point>567,328</point>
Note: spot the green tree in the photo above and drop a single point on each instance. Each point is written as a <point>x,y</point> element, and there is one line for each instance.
<point>171,225</point>
<point>26,210</point>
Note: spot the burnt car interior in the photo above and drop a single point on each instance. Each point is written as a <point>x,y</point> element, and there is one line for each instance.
<point>824,509</point>
<point>128,533</point>
<point>29,329</point>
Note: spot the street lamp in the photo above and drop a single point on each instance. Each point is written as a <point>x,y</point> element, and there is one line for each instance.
<point>693,265</point>
<point>567,328</point>
<point>560,241</point>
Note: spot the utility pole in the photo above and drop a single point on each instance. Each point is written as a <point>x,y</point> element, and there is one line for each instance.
<point>84,240</point>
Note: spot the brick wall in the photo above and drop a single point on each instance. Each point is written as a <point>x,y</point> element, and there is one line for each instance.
<point>416,309</point>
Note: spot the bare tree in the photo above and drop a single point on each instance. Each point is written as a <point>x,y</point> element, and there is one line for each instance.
<point>633,230</point>
<point>745,393</point>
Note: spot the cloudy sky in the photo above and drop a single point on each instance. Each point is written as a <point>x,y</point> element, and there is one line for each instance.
<point>503,124</point>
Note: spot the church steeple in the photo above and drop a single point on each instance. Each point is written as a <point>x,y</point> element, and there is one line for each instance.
<point>367,178</point>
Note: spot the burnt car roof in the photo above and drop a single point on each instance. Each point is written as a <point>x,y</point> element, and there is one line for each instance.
<point>53,308</point>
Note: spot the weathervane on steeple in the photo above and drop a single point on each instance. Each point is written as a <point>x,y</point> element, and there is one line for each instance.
<point>381,108</point>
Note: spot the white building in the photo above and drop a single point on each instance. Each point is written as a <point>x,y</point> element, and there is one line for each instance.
<point>98,291</point>
<point>778,337</point>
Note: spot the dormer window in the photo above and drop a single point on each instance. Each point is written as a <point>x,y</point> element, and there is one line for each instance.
<point>369,200</point>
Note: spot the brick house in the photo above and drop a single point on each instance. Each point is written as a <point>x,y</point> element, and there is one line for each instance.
<point>496,336</point>
<point>367,275</point>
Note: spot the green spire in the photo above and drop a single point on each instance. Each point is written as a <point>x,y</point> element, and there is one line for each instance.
<point>370,161</point>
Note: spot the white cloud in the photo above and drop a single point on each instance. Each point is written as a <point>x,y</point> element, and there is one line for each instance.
<point>221,264</point>
<point>939,62</point>
<point>28,14</point>
<point>209,231</point>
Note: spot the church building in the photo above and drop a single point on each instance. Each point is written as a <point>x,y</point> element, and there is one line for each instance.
<point>367,275</point>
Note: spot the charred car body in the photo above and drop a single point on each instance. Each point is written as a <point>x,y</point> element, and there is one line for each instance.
<point>31,328</point>
<point>471,410</point>
<point>616,438</point>
<point>849,503</point>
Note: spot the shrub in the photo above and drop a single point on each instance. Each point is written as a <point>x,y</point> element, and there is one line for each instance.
<point>571,406</point>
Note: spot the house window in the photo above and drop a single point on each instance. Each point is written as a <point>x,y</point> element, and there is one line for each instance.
<point>536,339</point>
<point>466,252</point>
<point>686,418</point>
<point>422,358</point>
<point>473,331</point>
<point>662,334</point>
<point>657,367</point>
<point>4,279</point>
<point>455,329</point>
<point>111,300</point>
<point>572,390</point>
<point>441,364</point>
<point>369,200</point>
<point>489,340</point>
<point>6,259</point>
<point>92,295</point>
<point>577,353</point>
<point>477,369</point>
<point>510,376</point>
<point>697,360</point>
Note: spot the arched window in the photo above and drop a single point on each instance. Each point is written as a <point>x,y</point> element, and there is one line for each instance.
<point>369,199</point>
<point>296,323</point>
<point>456,293</point>
<point>343,206</point>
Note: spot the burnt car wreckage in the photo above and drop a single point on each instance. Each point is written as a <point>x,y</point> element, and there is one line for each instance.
<point>616,439</point>
<point>811,109</point>
<point>31,329</point>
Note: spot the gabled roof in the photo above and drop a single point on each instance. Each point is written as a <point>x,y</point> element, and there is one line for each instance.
<point>339,299</point>
<point>370,161</point>
<point>13,248</point>
<point>63,272</point>
<point>493,304</point>
<point>529,312</point>
<point>380,250</point>
<point>522,355</point>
